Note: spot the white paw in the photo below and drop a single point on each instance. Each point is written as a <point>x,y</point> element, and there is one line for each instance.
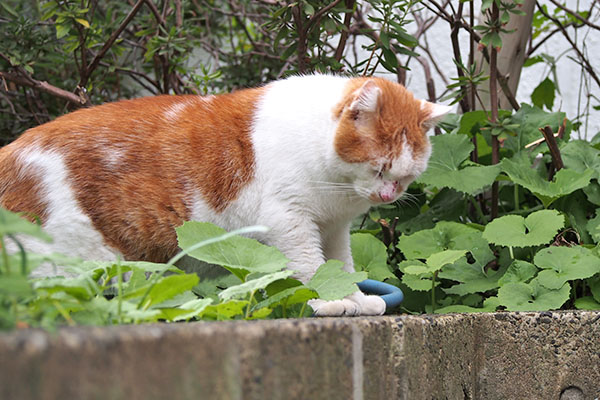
<point>369,305</point>
<point>335,308</point>
<point>356,304</point>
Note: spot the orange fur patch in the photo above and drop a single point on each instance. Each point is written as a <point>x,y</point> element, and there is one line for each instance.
<point>19,192</point>
<point>136,165</point>
<point>379,134</point>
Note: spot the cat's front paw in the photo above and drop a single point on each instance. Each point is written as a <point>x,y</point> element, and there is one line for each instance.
<point>356,304</point>
<point>334,308</point>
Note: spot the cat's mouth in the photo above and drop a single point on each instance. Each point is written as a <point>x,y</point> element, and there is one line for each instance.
<point>389,192</point>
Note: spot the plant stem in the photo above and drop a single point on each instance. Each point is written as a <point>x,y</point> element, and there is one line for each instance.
<point>247,314</point>
<point>433,291</point>
<point>494,110</point>
<point>120,293</point>
<point>64,313</point>
<point>477,207</point>
<point>510,251</point>
<point>303,308</point>
<point>4,255</point>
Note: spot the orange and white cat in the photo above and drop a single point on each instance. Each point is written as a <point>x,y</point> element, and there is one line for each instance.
<point>303,156</point>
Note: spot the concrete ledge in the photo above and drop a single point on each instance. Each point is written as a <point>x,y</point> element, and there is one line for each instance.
<point>465,356</point>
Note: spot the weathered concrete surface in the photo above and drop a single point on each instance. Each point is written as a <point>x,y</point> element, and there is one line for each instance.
<point>484,356</point>
<point>502,356</point>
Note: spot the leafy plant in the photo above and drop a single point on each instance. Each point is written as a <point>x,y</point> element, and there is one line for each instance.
<point>254,283</point>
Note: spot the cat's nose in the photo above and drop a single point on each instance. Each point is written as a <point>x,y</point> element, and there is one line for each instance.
<point>389,191</point>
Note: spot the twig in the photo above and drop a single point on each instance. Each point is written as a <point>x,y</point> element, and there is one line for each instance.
<point>588,67</point>
<point>43,86</point>
<point>575,14</point>
<point>557,162</point>
<point>339,51</point>
<point>110,42</point>
<point>494,112</point>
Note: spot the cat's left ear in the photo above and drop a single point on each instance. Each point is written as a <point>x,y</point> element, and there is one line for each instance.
<point>366,97</point>
<point>435,112</point>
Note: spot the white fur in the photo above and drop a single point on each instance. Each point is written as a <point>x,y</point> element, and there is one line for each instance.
<point>173,111</point>
<point>71,229</point>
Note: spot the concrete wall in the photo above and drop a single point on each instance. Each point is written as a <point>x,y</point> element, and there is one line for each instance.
<point>485,356</point>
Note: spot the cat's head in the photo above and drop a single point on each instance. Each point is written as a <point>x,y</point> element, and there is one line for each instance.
<point>381,137</point>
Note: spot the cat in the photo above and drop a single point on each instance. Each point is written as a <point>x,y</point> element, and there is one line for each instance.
<point>303,156</point>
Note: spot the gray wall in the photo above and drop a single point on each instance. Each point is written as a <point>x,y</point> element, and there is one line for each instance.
<point>466,356</point>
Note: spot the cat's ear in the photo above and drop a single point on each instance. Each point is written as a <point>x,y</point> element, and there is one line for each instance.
<point>366,97</point>
<point>434,113</point>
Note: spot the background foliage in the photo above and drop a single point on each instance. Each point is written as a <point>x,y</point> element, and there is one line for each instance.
<point>506,216</point>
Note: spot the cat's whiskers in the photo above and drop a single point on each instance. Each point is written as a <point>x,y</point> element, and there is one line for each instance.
<point>409,199</point>
<point>348,189</point>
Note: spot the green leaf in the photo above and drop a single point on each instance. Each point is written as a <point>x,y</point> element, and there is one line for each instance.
<point>473,278</point>
<point>9,9</point>
<point>593,226</point>
<point>543,94</point>
<point>520,296</point>
<point>61,30</point>
<point>225,311</point>
<point>15,285</point>
<point>562,264</point>
<point>333,283</point>
<point>166,288</point>
<point>529,119</point>
<point>419,283</point>
<point>79,287</point>
<point>580,156</point>
<point>592,192</point>
<point>186,311</point>
<point>587,303</point>
<point>385,40</point>
<point>532,61</point>
<point>437,261</point>
<point>538,228</point>
<point>83,22</point>
<point>447,205</point>
<point>594,284</point>
<point>471,122</point>
<point>518,271</point>
<point>444,236</point>
<point>245,289</point>
<point>289,296</point>
<point>485,4</point>
<point>488,306</point>
<point>449,152</point>
<point>370,255</point>
<point>565,181</point>
<point>13,224</point>
<point>238,254</point>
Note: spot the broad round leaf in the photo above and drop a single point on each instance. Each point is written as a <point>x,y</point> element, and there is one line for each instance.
<point>565,181</point>
<point>235,252</point>
<point>449,151</point>
<point>521,296</point>
<point>331,282</point>
<point>518,271</point>
<point>538,228</point>
<point>562,264</point>
<point>370,255</point>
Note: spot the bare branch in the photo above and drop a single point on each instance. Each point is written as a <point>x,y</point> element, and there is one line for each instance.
<point>339,51</point>
<point>586,64</point>
<point>43,86</point>
<point>110,42</point>
<point>576,15</point>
